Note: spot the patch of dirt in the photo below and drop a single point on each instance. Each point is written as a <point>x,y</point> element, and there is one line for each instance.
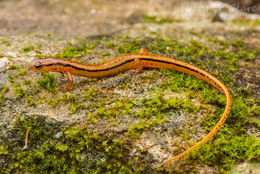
<point>69,18</point>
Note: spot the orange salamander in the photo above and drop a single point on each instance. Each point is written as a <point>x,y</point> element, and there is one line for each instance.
<point>135,62</point>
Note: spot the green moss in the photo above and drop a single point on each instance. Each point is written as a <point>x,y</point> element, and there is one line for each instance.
<point>135,130</point>
<point>12,67</point>
<point>246,54</point>
<point>71,52</point>
<point>30,101</point>
<point>22,72</point>
<point>89,48</point>
<point>41,98</point>
<point>19,91</point>
<point>228,149</point>
<point>178,80</point>
<point>124,106</point>
<point>121,107</point>
<point>48,34</point>
<point>53,102</point>
<point>159,104</point>
<point>212,97</point>
<point>247,22</point>
<point>90,94</point>
<point>3,150</point>
<point>105,54</point>
<point>232,145</point>
<point>238,43</point>
<point>1,98</point>
<point>155,19</point>
<point>69,98</point>
<point>242,110</point>
<point>109,44</point>
<point>6,42</point>
<point>27,49</point>
<point>129,48</point>
<point>5,89</point>
<point>73,107</point>
<point>41,56</point>
<point>48,82</point>
<point>217,40</point>
<point>91,119</point>
<point>222,54</point>
<point>255,122</point>
<point>72,100</point>
<point>11,79</point>
<point>76,150</point>
<point>26,82</point>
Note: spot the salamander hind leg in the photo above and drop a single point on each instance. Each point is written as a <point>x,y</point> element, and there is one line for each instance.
<point>144,51</point>
<point>74,60</point>
<point>137,68</point>
<point>71,81</point>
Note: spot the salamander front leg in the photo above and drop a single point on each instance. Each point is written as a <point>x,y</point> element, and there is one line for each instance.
<point>144,51</point>
<point>71,81</point>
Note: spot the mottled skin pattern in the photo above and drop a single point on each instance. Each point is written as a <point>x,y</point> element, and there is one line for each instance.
<point>135,62</point>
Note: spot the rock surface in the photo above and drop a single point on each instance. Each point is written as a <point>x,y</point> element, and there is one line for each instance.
<point>50,26</point>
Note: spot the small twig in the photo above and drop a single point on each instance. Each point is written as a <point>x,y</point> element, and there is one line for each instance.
<point>26,139</point>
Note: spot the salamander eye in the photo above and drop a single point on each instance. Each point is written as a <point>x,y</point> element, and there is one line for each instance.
<point>38,64</point>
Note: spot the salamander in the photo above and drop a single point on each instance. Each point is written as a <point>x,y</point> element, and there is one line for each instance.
<point>135,62</point>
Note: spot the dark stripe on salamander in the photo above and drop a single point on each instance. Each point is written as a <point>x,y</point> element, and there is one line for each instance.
<point>125,62</point>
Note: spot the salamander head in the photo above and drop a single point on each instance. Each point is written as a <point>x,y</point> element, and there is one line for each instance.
<point>43,64</point>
